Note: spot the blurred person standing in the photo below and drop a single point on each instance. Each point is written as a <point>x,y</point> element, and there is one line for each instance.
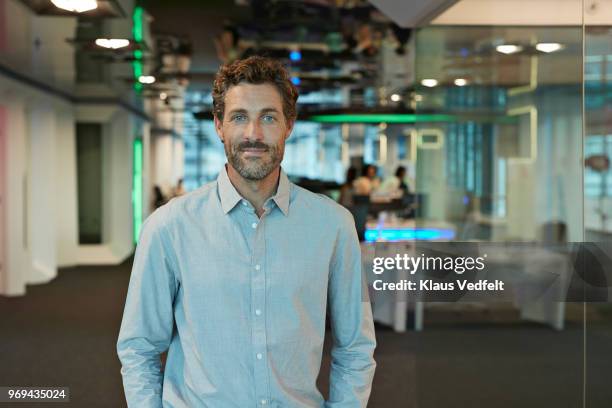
<point>235,278</point>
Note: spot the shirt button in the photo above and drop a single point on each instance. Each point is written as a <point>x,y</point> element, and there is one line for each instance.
<point>257,267</point>
<point>244,203</point>
<point>259,356</point>
<point>258,312</point>
<point>263,402</point>
<point>254,225</point>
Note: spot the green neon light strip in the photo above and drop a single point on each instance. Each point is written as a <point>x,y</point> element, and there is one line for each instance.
<point>137,30</point>
<point>384,117</point>
<point>137,33</point>
<point>137,187</point>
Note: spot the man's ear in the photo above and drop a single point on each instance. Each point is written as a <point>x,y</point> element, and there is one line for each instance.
<point>290,125</point>
<point>219,128</point>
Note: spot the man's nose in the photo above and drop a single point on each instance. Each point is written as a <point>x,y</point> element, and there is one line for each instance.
<point>253,131</point>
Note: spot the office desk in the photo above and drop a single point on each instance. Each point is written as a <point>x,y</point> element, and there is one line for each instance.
<point>391,308</point>
<point>392,237</point>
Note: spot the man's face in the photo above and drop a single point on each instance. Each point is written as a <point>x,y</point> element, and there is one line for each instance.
<point>253,129</point>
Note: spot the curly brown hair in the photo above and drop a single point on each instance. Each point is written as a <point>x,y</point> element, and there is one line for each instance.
<point>255,70</point>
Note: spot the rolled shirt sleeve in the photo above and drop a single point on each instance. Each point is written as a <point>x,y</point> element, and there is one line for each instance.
<point>147,325</point>
<point>353,365</point>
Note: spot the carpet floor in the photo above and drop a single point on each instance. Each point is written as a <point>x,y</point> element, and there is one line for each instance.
<point>64,334</point>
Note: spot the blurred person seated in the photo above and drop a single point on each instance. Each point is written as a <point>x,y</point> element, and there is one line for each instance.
<point>368,182</point>
<point>179,190</point>
<point>396,185</point>
<point>227,45</point>
<point>347,189</point>
<point>159,198</point>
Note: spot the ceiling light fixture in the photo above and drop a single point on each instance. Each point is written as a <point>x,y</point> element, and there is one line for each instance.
<point>508,48</point>
<point>78,6</point>
<point>548,47</point>
<point>461,82</point>
<point>396,97</point>
<point>430,83</point>
<point>112,43</point>
<point>146,79</point>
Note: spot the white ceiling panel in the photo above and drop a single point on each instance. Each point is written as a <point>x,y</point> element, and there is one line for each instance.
<point>412,13</point>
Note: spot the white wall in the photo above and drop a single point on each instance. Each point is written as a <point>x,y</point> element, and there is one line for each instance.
<point>40,219</point>
<point>17,257</point>
<point>52,57</point>
<point>508,13</point>
<point>3,170</point>
<point>117,173</point>
<point>18,36</point>
<point>42,192</point>
<point>118,133</point>
<point>147,185</point>
<point>163,162</point>
<point>66,188</point>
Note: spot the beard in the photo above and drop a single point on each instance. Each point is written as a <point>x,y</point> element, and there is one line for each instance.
<point>254,168</point>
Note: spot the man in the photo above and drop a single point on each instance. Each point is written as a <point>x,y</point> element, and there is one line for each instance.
<point>234,279</point>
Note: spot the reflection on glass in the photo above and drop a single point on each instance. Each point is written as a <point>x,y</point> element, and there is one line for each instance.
<point>598,204</point>
<point>512,157</point>
<point>508,168</point>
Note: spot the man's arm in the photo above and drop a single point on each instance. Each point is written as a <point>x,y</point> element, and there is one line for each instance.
<point>352,366</point>
<point>146,329</point>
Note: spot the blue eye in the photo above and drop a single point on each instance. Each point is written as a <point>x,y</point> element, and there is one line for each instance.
<point>268,118</point>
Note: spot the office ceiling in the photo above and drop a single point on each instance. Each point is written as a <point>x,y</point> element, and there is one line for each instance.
<point>444,52</point>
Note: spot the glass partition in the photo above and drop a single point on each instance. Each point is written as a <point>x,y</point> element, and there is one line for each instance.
<point>598,201</point>
<point>505,166</point>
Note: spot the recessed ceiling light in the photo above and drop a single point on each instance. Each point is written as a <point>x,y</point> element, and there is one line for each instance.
<point>461,82</point>
<point>508,48</point>
<point>395,97</point>
<point>78,6</point>
<point>430,83</point>
<point>548,47</point>
<point>146,79</point>
<point>112,43</point>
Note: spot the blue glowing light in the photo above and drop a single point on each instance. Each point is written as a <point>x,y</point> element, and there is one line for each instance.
<point>408,234</point>
<point>295,55</point>
<point>296,80</point>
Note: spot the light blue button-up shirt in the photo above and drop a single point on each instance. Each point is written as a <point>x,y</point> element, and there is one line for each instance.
<point>240,303</point>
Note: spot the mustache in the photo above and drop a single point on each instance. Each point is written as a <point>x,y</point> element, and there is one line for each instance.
<point>253,145</point>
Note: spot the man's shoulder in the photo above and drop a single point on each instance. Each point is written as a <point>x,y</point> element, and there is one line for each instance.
<point>321,205</point>
<point>173,210</point>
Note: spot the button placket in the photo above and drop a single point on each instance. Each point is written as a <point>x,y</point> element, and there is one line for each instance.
<point>258,282</point>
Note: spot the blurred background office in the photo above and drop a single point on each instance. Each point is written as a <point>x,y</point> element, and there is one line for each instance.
<point>441,120</point>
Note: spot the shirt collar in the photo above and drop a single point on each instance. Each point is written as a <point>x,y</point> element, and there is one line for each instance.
<point>281,198</point>
<point>230,197</point>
